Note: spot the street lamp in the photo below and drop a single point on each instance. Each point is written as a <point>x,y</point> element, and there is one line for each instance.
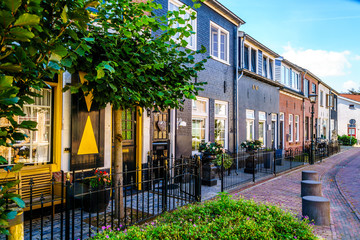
<point>312,98</point>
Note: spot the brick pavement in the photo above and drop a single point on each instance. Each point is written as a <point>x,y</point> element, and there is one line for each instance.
<point>285,192</point>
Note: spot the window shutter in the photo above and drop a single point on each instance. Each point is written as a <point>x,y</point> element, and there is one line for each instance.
<point>260,59</point>
<point>277,70</point>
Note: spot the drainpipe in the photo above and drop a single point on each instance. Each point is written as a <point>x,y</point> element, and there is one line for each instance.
<point>242,38</point>
<point>304,108</point>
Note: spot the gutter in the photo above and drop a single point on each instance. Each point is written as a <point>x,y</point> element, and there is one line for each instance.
<point>236,98</point>
<point>304,108</point>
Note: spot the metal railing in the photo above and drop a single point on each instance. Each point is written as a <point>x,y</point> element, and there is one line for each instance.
<point>75,210</point>
<point>259,164</point>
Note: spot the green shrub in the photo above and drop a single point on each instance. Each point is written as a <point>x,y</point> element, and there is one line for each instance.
<point>345,140</point>
<point>223,218</point>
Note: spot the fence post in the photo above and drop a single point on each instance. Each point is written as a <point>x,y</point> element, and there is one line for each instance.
<point>253,167</point>
<point>274,162</point>
<point>164,195</point>
<point>198,180</point>
<point>222,173</point>
<point>67,208</point>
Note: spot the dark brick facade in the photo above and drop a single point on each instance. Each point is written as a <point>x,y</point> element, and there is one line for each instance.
<point>219,76</point>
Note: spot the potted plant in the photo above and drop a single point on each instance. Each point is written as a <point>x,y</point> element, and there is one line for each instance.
<point>98,198</point>
<point>210,152</point>
<point>251,160</point>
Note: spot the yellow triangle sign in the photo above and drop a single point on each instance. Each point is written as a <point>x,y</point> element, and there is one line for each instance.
<point>89,97</point>
<point>88,143</point>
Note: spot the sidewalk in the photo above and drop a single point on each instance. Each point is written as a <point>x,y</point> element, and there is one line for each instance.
<point>341,169</point>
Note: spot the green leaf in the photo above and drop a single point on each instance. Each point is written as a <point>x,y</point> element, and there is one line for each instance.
<point>11,215</point>
<point>18,201</point>
<point>67,62</point>
<point>60,50</point>
<point>9,101</point>
<point>12,5</point>
<point>55,57</point>
<point>22,34</point>
<point>3,222</point>
<point>100,73</point>
<point>64,14</point>
<point>92,4</point>
<point>6,82</point>
<point>3,160</point>
<point>17,167</point>
<point>89,39</point>
<point>11,67</point>
<point>27,19</point>
<point>6,18</point>
<point>28,124</point>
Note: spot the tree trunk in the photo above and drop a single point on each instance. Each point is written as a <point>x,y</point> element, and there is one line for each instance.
<point>118,163</point>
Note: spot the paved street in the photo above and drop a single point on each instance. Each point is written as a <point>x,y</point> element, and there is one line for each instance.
<point>340,177</point>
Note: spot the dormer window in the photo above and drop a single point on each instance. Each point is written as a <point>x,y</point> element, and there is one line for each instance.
<point>351,106</point>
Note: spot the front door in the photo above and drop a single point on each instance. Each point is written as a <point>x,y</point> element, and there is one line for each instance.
<point>87,130</point>
<point>281,135</point>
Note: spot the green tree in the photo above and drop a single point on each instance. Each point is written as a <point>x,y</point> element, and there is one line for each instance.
<point>136,58</point>
<point>35,38</point>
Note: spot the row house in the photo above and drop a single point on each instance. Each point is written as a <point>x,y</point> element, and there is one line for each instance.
<point>210,117</point>
<point>349,110</point>
<point>257,93</point>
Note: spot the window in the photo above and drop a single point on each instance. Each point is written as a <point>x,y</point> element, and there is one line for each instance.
<point>291,125</point>
<point>351,106</point>
<point>296,81</point>
<point>199,122</point>
<point>250,125</point>
<point>191,40</point>
<point>306,88</point>
<point>246,57</point>
<point>264,68</point>
<point>253,60</point>
<point>262,122</point>
<point>306,128</point>
<point>321,98</point>
<point>313,88</point>
<point>329,100</point>
<point>219,43</point>
<point>271,75</point>
<point>36,147</point>
<point>283,74</point>
<point>297,132</point>
<point>221,123</point>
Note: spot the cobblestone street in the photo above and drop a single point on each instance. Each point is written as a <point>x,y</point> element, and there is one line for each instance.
<point>340,184</point>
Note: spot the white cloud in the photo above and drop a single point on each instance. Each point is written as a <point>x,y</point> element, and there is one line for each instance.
<point>320,62</point>
<point>357,57</point>
<point>350,85</point>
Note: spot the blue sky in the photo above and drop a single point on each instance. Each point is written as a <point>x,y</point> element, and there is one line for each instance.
<point>320,35</point>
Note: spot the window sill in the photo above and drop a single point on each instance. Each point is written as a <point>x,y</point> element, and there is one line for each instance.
<point>220,60</point>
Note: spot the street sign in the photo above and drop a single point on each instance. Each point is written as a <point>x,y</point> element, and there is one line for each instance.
<point>352,121</point>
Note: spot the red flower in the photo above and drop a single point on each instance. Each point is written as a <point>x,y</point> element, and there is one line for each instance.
<point>99,179</point>
<point>96,171</point>
<point>100,172</point>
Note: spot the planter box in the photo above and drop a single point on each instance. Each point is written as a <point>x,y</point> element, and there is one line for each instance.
<point>268,158</point>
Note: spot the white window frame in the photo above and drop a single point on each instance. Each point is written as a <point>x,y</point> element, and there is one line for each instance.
<point>291,128</point>
<point>321,98</point>
<point>201,116</point>
<point>297,127</point>
<point>272,63</point>
<point>180,4</point>
<point>224,117</point>
<point>250,117</point>
<point>262,119</point>
<point>274,119</point>
<point>220,29</point>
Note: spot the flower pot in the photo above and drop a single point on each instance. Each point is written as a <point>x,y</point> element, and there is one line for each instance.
<point>251,163</point>
<point>209,170</point>
<point>95,201</point>
<point>268,158</point>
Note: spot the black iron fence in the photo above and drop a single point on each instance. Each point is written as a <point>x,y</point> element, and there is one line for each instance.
<point>73,209</point>
<point>255,165</point>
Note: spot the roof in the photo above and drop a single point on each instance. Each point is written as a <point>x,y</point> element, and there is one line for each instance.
<point>258,44</point>
<point>351,96</point>
<point>298,68</point>
<point>217,6</point>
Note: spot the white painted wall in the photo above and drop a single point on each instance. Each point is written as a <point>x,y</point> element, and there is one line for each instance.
<point>146,136</point>
<point>323,112</point>
<point>345,114</point>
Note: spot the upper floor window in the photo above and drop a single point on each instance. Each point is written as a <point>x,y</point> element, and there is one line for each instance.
<point>351,106</point>
<point>313,88</point>
<point>219,43</point>
<point>306,88</point>
<point>174,5</point>
<point>291,127</point>
<point>321,98</point>
<point>246,57</point>
<point>265,68</point>
<point>253,60</point>
<point>271,67</point>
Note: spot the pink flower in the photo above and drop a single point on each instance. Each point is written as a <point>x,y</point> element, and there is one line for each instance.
<point>107,236</point>
<point>295,237</point>
<point>194,225</point>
